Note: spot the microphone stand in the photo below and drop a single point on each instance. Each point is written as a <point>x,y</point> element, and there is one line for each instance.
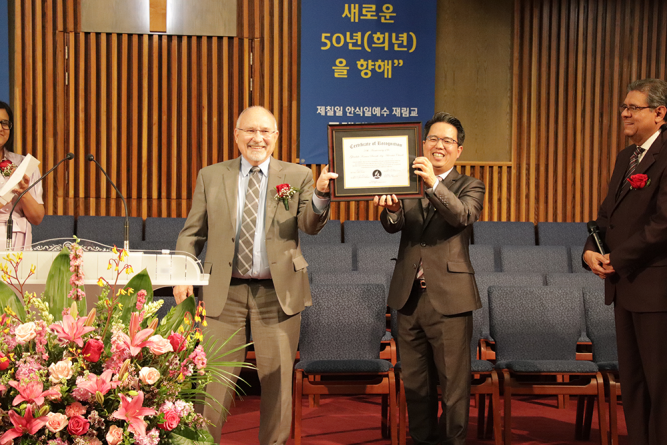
<point>10,221</point>
<point>126,242</point>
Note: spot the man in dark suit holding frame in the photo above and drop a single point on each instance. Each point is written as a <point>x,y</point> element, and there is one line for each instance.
<point>433,286</point>
<point>633,223</point>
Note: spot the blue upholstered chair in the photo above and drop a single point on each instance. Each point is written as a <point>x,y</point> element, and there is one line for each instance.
<point>52,227</point>
<point>534,259</point>
<point>536,331</point>
<point>330,234</point>
<point>340,342</point>
<point>333,258</point>
<point>358,232</point>
<point>161,233</point>
<point>376,257</point>
<point>576,261</point>
<point>504,233</point>
<point>483,258</point>
<point>561,233</point>
<point>109,230</point>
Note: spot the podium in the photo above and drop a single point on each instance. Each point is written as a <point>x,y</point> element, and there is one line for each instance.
<point>164,267</point>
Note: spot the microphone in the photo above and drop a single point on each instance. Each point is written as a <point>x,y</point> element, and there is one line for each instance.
<point>126,243</point>
<point>10,222</point>
<point>594,231</point>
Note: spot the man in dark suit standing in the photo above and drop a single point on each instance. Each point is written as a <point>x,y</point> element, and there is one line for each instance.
<point>633,223</point>
<point>433,286</point>
<point>258,274</point>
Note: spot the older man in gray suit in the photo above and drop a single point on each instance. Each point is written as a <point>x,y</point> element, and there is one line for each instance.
<point>258,274</point>
<point>433,286</point>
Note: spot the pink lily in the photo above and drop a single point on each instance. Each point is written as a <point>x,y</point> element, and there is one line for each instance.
<point>22,425</point>
<point>31,392</point>
<point>96,384</point>
<point>132,412</point>
<point>72,330</point>
<point>137,339</point>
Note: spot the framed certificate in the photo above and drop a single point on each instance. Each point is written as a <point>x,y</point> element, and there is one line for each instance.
<point>375,159</point>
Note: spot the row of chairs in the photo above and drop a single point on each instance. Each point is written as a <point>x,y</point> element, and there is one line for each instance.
<point>109,230</point>
<point>494,233</point>
<point>536,330</point>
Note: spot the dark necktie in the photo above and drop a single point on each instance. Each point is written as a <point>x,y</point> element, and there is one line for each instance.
<point>634,161</point>
<point>247,234</point>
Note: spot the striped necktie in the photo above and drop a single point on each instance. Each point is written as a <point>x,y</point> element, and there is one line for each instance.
<point>247,234</point>
<point>634,161</point>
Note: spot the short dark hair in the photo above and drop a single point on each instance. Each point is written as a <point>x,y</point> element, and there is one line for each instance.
<point>447,118</point>
<point>655,89</point>
<point>9,145</point>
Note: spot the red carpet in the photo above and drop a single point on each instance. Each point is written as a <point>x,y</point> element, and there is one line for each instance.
<point>356,421</point>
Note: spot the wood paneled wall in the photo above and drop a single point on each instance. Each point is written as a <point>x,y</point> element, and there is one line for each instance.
<point>154,109</point>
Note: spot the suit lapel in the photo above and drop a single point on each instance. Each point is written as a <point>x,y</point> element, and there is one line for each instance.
<point>276,177</point>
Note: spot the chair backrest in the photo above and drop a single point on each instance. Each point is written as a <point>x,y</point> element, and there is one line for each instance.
<point>332,258</point>
<point>600,325</point>
<point>376,257</point>
<point>535,259</point>
<point>504,233</point>
<point>354,277</point>
<point>163,229</point>
<point>575,280</point>
<point>109,230</point>
<point>483,258</point>
<point>484,281</point>
<point>52,227</point>
<point>358,232</point>
<point>575,259</point>
<point>345,322</point>
<point>535,323</point>
<point>561,233</point>
<point>330,234</point>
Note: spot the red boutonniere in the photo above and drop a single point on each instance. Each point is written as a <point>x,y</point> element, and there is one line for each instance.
<point>285,193</point>
<point>638,182</point>
<point>7,167</point>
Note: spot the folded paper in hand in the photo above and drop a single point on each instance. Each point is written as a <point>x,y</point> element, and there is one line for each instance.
<point>26,167</point>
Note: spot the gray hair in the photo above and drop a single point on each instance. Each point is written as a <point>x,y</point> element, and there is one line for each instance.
<point>655,89</point>
<point>253,107</point>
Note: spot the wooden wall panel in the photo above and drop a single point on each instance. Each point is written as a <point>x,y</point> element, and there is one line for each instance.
<point>154,109</point>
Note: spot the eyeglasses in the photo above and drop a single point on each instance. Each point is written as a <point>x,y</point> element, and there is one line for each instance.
<point>263,133</point>
<point>447,141</point>
<point>6,125</point>
<point>631,108</point>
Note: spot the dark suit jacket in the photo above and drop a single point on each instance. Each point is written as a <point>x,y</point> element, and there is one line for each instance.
<point>441,241</point>
<point>634,228</point>
<point>212,218</point>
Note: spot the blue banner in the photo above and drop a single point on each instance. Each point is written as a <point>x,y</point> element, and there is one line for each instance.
<point>4,51</point>
<point>367,62</point>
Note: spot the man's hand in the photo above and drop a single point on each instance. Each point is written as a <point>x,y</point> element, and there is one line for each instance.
<point>424,168</point>
<point>22,185</point>
<point>323,181</point>
<point>182,292</point>
<point>600,264</point>
<point>389,202</point>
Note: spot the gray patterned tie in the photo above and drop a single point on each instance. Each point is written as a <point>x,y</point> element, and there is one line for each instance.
<point>634,161</point>
<point>247,234</point>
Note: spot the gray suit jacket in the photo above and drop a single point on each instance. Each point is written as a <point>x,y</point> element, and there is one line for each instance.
<point>212,218</point>
<point>441,241</point>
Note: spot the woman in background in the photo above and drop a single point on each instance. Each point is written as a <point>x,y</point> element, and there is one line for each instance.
<point>31,208</point>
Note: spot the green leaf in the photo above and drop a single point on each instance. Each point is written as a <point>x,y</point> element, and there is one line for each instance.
<point>190,436</point>
<point>57,287</point>
<point>138,282</point>
<point>174,318</point>
<point>9,298</point>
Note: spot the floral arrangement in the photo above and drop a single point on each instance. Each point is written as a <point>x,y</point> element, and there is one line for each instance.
<point>638,181</point>
<point>285,193</point>
<point>7,167</point>
<point>114,374</point>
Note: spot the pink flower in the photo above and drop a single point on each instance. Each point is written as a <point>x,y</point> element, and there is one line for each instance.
<point>115,435</point>
<point>177,342</point>
<point>27,424</point>
<point>75,409</point>
<point>78,426</point>
<point>132,412</point>
<point>95,383</point>
<point>149,376</point>
<point>198,356</point>
<point>59,371</point>
<point>25,332</point>
<point>159,345</point>
<point>72,330</point>
<point>56,422</point>
<point>31,392</point>
<point>171,421</point>
<point>137,339</point>
<point>92,350</point>
<point>141,299</point>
